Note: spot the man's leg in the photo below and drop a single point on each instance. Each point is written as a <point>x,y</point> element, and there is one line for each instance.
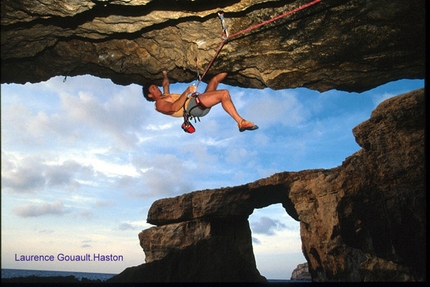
<point>212,96</point>
<point>213,83</point>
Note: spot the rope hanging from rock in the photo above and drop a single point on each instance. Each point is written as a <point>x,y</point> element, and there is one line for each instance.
<point>226,36</point>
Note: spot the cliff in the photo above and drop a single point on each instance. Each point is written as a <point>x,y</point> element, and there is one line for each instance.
<point>335,44</point>
<point>364,220</point>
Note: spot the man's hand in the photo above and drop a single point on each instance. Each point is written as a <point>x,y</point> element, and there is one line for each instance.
<point>192,88</point>
<point>166,83</point>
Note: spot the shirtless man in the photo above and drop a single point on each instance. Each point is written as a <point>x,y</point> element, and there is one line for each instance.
<point>173,104</point>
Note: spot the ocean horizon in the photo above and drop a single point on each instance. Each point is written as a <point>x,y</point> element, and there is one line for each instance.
<point>15,273</point>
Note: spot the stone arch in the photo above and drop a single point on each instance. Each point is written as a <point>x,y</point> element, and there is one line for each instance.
<point>209,226</point>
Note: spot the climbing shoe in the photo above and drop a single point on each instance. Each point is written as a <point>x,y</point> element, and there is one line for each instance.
<point>247,126</point>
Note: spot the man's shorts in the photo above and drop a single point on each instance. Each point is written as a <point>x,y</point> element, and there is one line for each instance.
<point>195,110</point>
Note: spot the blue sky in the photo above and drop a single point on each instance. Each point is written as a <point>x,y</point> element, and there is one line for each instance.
<point>83,160</point>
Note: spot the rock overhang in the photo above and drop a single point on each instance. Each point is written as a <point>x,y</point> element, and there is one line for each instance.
<point>344,45</point>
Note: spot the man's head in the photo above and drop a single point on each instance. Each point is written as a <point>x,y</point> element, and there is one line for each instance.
<point>145,91</point>
<point>152,92</point>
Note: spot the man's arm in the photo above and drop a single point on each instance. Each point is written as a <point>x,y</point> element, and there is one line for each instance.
<point>169,108</point>
<point>166,83</point>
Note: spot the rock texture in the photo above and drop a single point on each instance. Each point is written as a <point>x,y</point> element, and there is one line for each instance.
<point>364,220</point>
<point>336,44</point>
<point>301,272</point>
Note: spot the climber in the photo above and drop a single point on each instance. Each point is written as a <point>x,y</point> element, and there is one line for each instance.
<point>198,105</point>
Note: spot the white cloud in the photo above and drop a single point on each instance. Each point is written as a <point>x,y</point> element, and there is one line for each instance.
<point>103,203</point>
<point>36,210</point>
<point>134,225</point>
<point>153,127</point>
<point>77,115</point>
<point>379,98</point>
<point>267,226</point>
<point>126,226</point>
<point>63,174</point>
<point>167,175</point>
<point>239,155</point>
<point>106,167</point>
<point>120,116</point>
<point>23,176</point>
<point>255,240</point>
<point>282,109</point>
<point>32,174</point>
<point>23,126</point>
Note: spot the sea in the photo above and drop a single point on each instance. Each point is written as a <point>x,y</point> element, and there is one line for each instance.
<point>11,273</point>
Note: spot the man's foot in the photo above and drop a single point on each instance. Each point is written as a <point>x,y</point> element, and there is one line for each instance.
<point>247,126</point>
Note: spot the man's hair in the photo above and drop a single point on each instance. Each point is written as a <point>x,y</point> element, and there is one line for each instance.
<point>145,91</point>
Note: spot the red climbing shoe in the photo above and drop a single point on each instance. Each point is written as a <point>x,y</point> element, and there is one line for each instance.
<point>246,125</point>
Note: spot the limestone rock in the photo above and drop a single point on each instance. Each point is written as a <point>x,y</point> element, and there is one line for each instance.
<point>364,220</point>
<point>301,272</point>
<point>158,242</point>
<point>337,44</point>
<point>201,250</point>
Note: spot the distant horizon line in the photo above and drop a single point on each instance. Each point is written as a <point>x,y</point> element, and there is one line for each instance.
<point>268,279</point>
<point>57,271</point>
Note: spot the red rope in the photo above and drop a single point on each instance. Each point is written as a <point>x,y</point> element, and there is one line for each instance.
<point>275,18</point>
<point>255,27</point>
<point>213,59</point>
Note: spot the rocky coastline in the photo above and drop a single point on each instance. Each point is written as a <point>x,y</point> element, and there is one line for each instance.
<point>364,220</point>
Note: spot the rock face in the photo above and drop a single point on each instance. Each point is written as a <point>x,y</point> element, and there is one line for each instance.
<point>301,272</point>
<point>362,221</point>
<point>336,44</point>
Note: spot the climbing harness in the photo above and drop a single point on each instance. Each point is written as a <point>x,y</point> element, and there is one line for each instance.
<point>187,126</point>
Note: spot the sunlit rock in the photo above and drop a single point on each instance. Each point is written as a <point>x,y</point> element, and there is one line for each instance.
<point>337,44</point>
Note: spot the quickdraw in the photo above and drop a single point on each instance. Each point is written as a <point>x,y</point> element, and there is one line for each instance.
<point>197,71</point>
<point>225,36</point>
<point>224,27</point>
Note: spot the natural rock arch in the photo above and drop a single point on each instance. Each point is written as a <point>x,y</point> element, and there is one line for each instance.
<point>205,235</point>
<point>217,220</point>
